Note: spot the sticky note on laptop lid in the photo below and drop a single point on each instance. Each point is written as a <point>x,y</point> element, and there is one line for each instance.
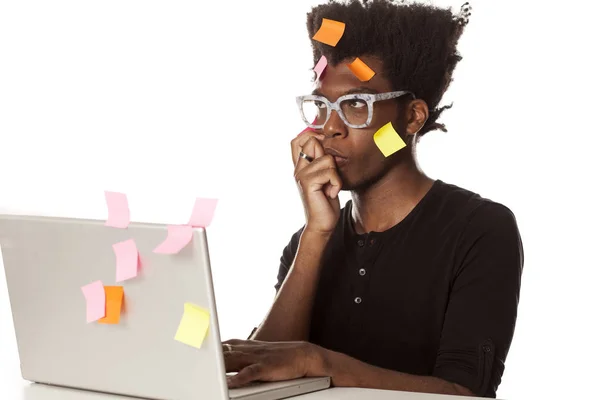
<point>330,32</point>
<point>114,303</point>
<point>127,256</point>
<point>203,212</point>
<point>193,325</point>
<point>387,140</point>
<point>178,236</point>
<point>118,210</point>
<point>95,301</point>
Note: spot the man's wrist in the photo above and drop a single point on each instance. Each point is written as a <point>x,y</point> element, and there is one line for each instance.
<point>318,361</point>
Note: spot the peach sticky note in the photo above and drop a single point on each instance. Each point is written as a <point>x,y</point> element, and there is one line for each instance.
<point>118,209</point>
<point>388,140</point>
<point>330,32</point>
<point>178,236</point>
<point>114,303</point>
<point>203,212</point>
<point>193,326</point>
<point>95,300</point>
<point>320,67</point>
<point>127,260</point>
<point>361,70</point>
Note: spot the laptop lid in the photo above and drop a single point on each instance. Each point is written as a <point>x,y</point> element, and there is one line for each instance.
<point>48,260</point>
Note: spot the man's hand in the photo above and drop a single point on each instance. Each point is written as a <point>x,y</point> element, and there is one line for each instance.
<point>268,361</point>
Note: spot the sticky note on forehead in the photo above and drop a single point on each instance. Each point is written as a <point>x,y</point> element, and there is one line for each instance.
<point>320,67</point>
<point>387,140</point>
<point>361,70</point>
<point>330,32</point>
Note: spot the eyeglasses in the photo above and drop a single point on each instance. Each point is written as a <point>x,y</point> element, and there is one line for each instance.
<point>356,110</point>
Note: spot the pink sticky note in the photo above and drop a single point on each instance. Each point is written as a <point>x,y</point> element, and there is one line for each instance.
<point>178,236</point>
<point>118,209</point>
<point>95,299</point>
<point>127,259</point>
<point>308,128</point>
<point>203,212</point>
<point>320,67</point>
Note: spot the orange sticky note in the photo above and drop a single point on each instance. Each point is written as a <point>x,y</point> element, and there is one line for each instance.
<point>114,303</point>
<point>388,140</point>
<point>361,70</point>
<point>118,209</point>
<point>330,32</point>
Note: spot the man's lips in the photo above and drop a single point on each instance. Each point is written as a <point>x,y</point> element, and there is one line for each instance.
<point>339,158</point>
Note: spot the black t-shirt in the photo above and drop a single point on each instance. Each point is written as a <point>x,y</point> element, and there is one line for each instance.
<point>434,295</point>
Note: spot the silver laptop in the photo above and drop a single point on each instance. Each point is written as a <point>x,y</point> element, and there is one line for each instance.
<point>48,260</point>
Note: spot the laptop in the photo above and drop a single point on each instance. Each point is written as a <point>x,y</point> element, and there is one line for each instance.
<point>48,260</point>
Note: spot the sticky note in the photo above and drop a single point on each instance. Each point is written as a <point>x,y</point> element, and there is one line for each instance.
<point>178,236</point>
<point>193,326</point>
<point>320,67</point>
<point>330,32</point>
<point>118,210</point>
<point>95,301</point>
<point>388,140</point>
<point>127,259</point>
<point>361,70</point>
<point>114,303</point>
<point>203,212</point>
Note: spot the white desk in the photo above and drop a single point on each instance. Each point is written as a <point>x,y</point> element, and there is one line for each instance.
<point>22,390</point>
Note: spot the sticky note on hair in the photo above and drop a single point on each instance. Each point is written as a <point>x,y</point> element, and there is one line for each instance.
<point>361,70</point>
<point>388,140</point>
<point>193,326</point>
<point>118,210</point>
<point>95,301</point>
<point>127,259</point>
<point>330,32</point>
<point>178,236</point>
<point>320,67</point>
<point>203,212</point>
<point>114,303</point>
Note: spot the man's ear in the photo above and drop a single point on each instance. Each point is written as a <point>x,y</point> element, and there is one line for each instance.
<point>417,113</point>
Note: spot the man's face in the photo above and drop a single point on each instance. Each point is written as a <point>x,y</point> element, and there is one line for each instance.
<point>364,163</point>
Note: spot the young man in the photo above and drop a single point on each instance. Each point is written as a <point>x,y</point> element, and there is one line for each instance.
<point>414,284</point>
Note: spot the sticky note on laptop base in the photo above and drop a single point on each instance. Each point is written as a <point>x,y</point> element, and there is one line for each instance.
<point>387,140</point>
<point>193,326</point>
<point>114,304</point>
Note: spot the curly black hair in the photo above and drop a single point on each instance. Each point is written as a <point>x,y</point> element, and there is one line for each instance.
<point>416,42</point>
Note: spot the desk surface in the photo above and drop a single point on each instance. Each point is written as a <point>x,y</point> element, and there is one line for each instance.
<point>19,389</point>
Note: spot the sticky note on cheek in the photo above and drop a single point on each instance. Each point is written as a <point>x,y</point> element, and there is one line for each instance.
<point>193,326</point>
<point>330,32</point>
<point>114,303</point>
<point>361,70</point>
<point>388,140</point>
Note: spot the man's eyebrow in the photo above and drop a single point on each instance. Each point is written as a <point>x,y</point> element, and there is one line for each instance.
<point>360,89</point>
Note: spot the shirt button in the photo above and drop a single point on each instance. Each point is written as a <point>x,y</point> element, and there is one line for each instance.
<point>362,272</point>
<point>372,242</point>
<point>358,300</point>
<point>361,243</point>
<point>487,348</point>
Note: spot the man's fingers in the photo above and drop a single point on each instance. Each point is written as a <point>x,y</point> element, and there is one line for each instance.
<point>238,360</point>
<point>251,373</point>
<point>314,181</point>
<point>308,146</point>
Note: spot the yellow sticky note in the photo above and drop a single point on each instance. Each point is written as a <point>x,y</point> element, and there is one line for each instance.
<point>330,32</point>
<point>388,140</point>
<point>361,70</point>
<point>193,326</point>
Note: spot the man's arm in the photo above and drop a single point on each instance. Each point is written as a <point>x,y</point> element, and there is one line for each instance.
<point>346,371</point>
<point>290,314</point>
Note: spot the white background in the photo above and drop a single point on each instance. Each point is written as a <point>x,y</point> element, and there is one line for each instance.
<point>167,101</point>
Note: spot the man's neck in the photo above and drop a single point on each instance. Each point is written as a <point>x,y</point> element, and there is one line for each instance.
<point>388,201</point>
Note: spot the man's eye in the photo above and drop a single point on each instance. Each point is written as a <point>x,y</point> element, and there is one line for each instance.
<point>358,104</point>
<point>320,104</point>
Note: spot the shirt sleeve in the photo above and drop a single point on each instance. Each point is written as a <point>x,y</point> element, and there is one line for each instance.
<point>287,258</point>
<point>482,309</point>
